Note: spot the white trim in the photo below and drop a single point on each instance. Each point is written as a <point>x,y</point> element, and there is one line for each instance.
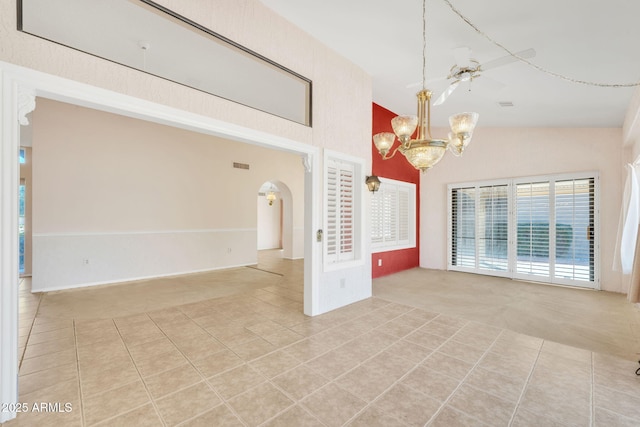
<point>15,79</point>
<point>155,276</point>
<point>9,276</point>
<point>127,233</point>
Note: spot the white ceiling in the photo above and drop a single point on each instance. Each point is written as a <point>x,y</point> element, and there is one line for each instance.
<point>592,40</point>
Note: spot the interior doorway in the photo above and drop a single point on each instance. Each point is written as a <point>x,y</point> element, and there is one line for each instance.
<point>269,221</point>
<point>24,213</point>
<point>277,218</point>
<point>26,85</point>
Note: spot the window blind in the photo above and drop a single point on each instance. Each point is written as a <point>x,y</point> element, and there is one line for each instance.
<point>540,228</point>
<point>393,212</point>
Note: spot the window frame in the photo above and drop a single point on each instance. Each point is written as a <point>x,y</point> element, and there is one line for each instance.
<point>356,257</point>
<point>512,184</point>
<point>389,185</point>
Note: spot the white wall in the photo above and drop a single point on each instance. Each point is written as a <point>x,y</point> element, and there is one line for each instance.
<point>117,198</point>
<point>514,152</point>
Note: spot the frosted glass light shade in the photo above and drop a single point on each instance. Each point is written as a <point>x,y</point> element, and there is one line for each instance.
<point>271,197</point>
<point>425,154</point>
<point>384,141</point>
<point>404,126</point>
<point>457,145</point>
<point>463,123</point>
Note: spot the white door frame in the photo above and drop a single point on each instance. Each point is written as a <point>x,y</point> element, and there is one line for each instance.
<point>19,88</point>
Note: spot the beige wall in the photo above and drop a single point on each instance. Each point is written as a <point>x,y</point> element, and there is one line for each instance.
<point>341,91</point>
<point>342,97</point>
<point>509,153</point>
<point>104,181</point>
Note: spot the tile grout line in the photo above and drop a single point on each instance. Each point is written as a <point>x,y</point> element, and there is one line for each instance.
<point>417,365</point>
<point>592,415</point>
<point>80,394</point>
<point>526,384</point>
<point>399,380</point>
<point>153,403</point>
<point>203,378</point>
<point>33,322</point>
<point>461,382</point>
<point>302,363</point>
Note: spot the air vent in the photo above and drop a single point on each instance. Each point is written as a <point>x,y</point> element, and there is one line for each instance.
<point>505,104</point>
<point>241,165</point>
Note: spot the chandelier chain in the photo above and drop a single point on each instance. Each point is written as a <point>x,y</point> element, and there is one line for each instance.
<point>531,64</point>
<point>424,44</point>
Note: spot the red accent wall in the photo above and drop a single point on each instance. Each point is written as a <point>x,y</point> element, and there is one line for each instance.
<point>399,169</point>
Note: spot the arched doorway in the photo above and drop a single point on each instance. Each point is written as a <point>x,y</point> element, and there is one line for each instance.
<point>275,219</point>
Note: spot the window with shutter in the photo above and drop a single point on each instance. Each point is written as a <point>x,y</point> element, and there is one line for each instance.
<point>539,228</point>
<point>463,230</point>
<point>340,235</point>
<point>393,216</point>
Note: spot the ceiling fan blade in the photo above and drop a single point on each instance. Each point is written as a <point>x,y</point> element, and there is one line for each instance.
<point>462,56</point>
<point>508,59</point>
<point>443,97</point>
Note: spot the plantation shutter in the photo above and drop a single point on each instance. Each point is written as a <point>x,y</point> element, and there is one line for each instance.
<point>532,235</point>
<point>377,218</point>
<point>574,221</point>
<point>549,235</point>
<point>390,216</point>
<point>346,213</point>
<point>463,227</point>
<point>333,219</point>
<point>492,222</point>
<point>339,212</point>
<point>393,215</point>
<point>403,216</point>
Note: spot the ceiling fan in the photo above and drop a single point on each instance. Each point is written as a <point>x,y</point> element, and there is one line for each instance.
<point>466,69</point>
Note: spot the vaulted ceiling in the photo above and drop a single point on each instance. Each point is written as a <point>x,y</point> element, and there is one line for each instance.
<point>590,40</point>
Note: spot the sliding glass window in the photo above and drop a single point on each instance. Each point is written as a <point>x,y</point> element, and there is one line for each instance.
<point>539,228</point>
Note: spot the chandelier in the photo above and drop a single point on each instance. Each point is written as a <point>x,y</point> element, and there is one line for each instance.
<point>425,151</point>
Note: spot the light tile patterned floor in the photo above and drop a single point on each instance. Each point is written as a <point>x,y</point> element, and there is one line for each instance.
<point>254,359</point>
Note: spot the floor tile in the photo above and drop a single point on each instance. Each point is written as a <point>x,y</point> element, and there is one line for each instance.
<point>332,405</point>
<point>450,417</point>
<point>485,407</point>
<point>259,404</point>
<point>100,407</point>
<point>144,416</point>
<point>216,363</point>
<point>174,379</point>
<point>299,382</point>
<point>407,405</point>
<point>373,417</point>
<point>366,383</point>
<point>236,381</point>
<point>41,379</point>
<point>295,416</point>
<point>274,363</point>
<point>431,383</point>
<point>220,416</point>
<point>187,403</point>
<point>377,352</point>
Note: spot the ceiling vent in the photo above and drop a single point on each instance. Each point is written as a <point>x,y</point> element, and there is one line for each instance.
<point>505,104</point>
<point>240,165</point>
